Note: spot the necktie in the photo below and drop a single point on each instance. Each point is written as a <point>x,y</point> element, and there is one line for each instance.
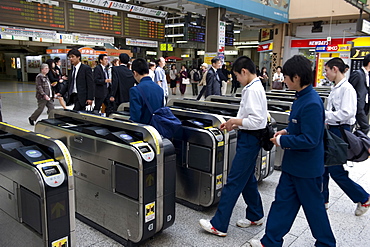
<point>106,75</point>
<point>73,80</point>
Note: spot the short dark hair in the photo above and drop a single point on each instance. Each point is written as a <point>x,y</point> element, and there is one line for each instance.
<point>75,52</point>
<point>300,66</point>
<point>124,58</point>
<point>56,59</point>
<point>101,57</point>
<point>244,62</point>
<point>140,66</point>
<point>366,60</point>
<point>337,62</point>
<point>279,67</point>
<point>215,60</point>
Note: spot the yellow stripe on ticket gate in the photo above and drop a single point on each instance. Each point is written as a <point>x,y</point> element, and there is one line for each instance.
<point>220,144</point>
<point>42,161</point>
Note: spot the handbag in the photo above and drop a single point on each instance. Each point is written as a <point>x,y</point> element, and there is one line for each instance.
<point>358,145</point>
<point>277,85</point>
<point>335,149</point>
<point>162,119</point>
<point>185,81</point>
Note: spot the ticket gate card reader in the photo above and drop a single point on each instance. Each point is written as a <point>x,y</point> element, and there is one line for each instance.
<point>36,190</point>
<point>125,174</point>
<point>265,160</point>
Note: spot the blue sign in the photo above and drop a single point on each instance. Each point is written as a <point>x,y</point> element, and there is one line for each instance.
<point>270,10</point>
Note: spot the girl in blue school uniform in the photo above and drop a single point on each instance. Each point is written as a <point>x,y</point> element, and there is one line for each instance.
<point>303,163</point>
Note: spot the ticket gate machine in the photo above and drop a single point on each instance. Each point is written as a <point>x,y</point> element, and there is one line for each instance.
<point>125,174</point>
<point>201,157</point>
<point>265,160</point>
<point>36,190</point>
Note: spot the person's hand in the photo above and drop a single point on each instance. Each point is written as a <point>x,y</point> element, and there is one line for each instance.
<point>58,94</point>
<point>46,97</point>
<point>111,99</point>
<point>108,80</point>
<point>89,102</point>
<point>229,125</point>
<point>280,132</point>
<point>64,77</point>
<point>273,140</point>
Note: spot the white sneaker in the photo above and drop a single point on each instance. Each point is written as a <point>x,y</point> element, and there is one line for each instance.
<point>362,208</point>
<point>248,223</point>
<point>206,225</point>
<point>255,243</point>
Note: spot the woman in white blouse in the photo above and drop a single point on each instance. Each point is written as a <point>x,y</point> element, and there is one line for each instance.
<point>277,79</point>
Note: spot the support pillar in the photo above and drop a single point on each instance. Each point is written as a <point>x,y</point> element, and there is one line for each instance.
<point>278,49</point>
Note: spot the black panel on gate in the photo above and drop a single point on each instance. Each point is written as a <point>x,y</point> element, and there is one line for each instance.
<point>31,209</point>
<point>200,157</point>
<point>127,181</point>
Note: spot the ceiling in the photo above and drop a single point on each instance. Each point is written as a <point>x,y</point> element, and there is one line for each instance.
<point>181,7</point>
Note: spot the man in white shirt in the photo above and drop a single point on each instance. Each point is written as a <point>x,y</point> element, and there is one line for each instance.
<point>360,81</point>
<point>251,120</point>
<point>160,76</point>
<point>340,114</point>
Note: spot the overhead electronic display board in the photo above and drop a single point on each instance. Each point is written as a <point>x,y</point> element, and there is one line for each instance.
<point>196,33</point>
<point>143,27</point>
<point>93,20</point>
<point>229,38</point>
<point>33,14</point>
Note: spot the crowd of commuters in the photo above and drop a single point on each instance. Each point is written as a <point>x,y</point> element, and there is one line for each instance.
<point>304,181</point>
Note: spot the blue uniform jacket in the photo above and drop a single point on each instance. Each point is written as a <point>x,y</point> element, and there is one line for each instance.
<point>304,146</point>
<point>139,112</point>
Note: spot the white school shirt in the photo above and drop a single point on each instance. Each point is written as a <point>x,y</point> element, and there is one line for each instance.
<point>253,106</point>
<point>342,104</point>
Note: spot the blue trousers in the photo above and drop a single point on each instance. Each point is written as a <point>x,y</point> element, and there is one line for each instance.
<point>291,193</point>
<point>241,179</point>
<point>353,190</point>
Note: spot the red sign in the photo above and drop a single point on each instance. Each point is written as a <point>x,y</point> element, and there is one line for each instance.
<point>264,47</point>
<point>307,43</point>
<point>332,48</point>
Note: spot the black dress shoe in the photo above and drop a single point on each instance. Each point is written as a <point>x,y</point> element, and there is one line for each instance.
<point>31,121</point>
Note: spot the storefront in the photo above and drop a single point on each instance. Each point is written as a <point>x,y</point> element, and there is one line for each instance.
<point>265,54</point>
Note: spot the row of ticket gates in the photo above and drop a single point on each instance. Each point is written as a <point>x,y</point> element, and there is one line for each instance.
<point>117,176</point>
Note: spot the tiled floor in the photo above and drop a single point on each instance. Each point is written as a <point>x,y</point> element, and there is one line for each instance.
<point>18,101</point>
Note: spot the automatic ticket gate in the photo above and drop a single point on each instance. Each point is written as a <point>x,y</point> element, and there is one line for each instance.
<point>124,173</point>
<point>201,157</point>
<point>265,160</point>
<point>36,190</point>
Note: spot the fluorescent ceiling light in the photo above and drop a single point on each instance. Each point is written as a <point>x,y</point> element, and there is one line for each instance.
<point>175,25</point>
<point>181,41</point>
<point>174,35</point>
<point>236,31</point>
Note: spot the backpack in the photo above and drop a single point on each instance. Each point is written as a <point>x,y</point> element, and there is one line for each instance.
<point>358,145</point>
<point>267,133</point>
<point>162,119</point>
<point>196,76</point>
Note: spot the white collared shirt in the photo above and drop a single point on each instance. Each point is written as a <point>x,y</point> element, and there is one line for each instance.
<point>76,72</point>
<point>253,106</point>
<point>342,104</point>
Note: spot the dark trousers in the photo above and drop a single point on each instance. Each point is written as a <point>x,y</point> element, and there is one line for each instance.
<point>99,101</point>
<point>202,91</point>
<point>194,87</point>
<point>362,119</point>
<point>74,100</point>
<point>353,190</point>
<point>241,179</point>
<point>291,193</point>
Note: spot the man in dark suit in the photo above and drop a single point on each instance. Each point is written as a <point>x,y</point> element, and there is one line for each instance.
<point>213,79</point>
<point>80,84</point>
<point>102,82</point>
<point>360,81</point>
<point>122,80</point>
<point>139,111</point>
